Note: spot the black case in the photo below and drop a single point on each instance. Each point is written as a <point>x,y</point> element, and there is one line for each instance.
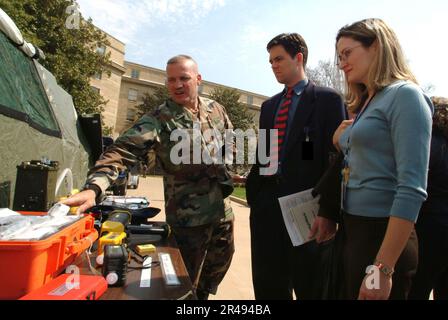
<point>115,260</point>
<point>35,186</point>
<point>91,126</point>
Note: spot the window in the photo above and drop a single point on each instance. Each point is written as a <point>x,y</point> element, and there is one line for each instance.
<point>201,89</point>
<point>22,95</point>
<point>130,116</point>
<point>98,75</point>
<point>95,89</point>
<point>135,74</point>
<point>101,50</point>
<point>132,95</point>
<point>250,100</point>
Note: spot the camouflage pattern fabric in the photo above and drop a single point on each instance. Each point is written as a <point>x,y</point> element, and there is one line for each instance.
<point>207,252</point>
<point>194,193</point>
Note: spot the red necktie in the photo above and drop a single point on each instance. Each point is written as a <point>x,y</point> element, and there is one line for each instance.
<point>281,123</point>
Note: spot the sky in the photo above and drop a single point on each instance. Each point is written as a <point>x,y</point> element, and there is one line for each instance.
<point>228,37</point>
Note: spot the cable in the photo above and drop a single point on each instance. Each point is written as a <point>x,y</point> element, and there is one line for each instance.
<point>66,173</point>
<point>88,254</point>
<point>185,296</point>
<point>153,265</point>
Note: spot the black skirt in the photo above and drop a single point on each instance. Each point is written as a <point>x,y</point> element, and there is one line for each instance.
<point>362,239</point>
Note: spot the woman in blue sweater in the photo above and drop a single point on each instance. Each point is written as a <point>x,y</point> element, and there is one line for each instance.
<point>386,150</point>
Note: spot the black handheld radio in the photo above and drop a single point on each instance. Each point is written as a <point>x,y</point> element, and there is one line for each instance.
<point>115,265</point>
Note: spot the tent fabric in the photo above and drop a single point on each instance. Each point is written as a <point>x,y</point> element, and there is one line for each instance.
<point>74,152</point>
<point>21,94</point>
<point>10,29</point>
<point>60,102</point>
<point>29,49</point>
<point>19,142</point>
<point>37,117</point>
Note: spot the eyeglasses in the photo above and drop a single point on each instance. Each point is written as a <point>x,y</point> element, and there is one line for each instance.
<point>345,54</point>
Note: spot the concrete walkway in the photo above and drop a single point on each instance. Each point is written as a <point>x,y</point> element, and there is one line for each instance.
<point>237,284</point>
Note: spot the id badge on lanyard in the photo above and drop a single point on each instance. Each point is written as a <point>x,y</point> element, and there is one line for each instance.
<point>344,182</point>
<point>346,169</point>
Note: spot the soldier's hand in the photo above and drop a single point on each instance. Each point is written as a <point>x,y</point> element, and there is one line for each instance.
<point>83,200</point>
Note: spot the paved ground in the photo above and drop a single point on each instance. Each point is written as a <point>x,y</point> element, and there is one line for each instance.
<point>237,284</point>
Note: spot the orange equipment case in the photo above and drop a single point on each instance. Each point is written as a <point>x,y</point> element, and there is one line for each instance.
<point>70,287</point>
<point>28,265</point>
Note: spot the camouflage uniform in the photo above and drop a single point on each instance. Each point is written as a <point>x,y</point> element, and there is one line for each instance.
<point>215,241</point>
<point>195,194</point>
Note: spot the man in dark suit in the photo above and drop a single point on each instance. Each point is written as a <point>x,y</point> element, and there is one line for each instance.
<point>306,117</point>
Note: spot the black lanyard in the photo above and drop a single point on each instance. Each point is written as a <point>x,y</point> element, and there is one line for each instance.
<point>346,168</point>
<point>358,116</point>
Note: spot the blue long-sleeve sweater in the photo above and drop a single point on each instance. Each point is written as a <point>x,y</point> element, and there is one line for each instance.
<point>388,154</point>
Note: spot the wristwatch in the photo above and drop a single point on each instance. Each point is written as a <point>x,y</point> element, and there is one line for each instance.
<point>387,271</point>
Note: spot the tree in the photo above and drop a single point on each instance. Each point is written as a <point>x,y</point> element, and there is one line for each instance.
<point>70,54</point>
<point>239,115</point>
<point>326,74</point>
<point>238,112</point>
<point>152,100</point>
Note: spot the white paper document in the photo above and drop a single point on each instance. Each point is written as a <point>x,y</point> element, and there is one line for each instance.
<point>145,278</point>
<point>299,211</point>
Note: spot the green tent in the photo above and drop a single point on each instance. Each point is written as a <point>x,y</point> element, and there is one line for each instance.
<point>37,117</point>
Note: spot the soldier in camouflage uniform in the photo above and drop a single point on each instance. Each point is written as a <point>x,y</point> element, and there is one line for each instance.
<point>196,195</point>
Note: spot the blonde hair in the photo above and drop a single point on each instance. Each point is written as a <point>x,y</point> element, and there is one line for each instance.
<point>388,65</point>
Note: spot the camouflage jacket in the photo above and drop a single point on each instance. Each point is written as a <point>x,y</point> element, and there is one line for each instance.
<point>195,194</point>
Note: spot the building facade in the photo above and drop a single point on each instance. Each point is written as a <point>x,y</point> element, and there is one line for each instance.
<point>129,82</point>
<point>109,86</point>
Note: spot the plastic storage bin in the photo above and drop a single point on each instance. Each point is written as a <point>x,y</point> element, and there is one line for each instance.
<point>28,265</point>
<point>82,287</point>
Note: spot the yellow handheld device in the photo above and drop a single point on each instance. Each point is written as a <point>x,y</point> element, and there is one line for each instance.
<point>116,222</point>
<point>113,238</point>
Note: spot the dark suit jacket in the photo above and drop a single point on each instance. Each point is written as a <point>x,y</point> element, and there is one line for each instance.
<point>320,112</point>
